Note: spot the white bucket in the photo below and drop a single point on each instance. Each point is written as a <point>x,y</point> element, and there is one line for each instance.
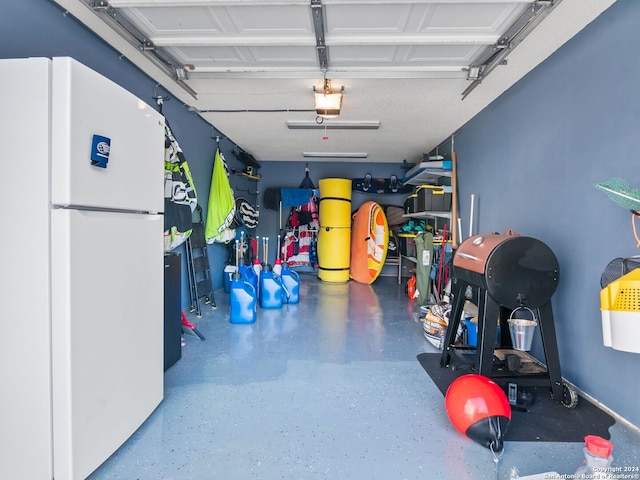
<point>522,330</point>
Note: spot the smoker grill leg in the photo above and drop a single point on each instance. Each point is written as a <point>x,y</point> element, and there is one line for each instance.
<point>548,331</point>
<point>488,314</point>
<point>457,290</point>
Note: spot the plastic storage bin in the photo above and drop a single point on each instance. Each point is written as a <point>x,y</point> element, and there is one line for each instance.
<point>407,244</point>
<point>229,270</point>
<point>433,198</point>
<point>411,203</point>
<point>620,311</point>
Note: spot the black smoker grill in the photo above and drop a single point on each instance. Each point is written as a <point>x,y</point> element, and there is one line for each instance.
<point>506,273</point>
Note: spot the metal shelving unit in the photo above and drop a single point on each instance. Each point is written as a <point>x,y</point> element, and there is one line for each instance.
<point>429,176</point>
<point>446,215</point>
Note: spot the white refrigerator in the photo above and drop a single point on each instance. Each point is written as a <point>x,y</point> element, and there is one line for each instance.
<point>81,265</point>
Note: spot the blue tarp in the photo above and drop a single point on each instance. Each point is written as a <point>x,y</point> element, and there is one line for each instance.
<point>296,197</point>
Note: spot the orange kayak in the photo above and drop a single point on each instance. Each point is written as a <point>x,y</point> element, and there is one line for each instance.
<point>369,243</point>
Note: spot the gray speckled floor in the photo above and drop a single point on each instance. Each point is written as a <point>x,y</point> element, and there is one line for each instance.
<point>326,389</point>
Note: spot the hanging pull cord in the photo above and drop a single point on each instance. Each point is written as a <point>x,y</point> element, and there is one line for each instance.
<point>495,424</point>
<point>496,459</point>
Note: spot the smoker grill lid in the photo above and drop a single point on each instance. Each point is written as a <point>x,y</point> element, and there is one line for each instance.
<point>517,270</point>
<point>522,266</point>
<point>472,254</point>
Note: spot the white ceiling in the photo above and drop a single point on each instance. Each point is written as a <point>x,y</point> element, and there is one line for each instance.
<point>251,65</point>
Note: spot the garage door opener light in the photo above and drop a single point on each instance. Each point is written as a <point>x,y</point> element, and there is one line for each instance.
<point>327,100</point>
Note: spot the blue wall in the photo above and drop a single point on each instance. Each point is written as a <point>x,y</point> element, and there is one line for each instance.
<point>532,157</point>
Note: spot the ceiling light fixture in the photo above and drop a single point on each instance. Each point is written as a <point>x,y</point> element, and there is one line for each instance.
<point>335,154</point>
<point>328,101</point>
<point>336,124</point>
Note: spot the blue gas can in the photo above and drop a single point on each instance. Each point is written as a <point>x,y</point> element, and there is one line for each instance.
<point>291,282</point>
<point>249,275</point>
<point>271,291</point>
<point>243,300</point>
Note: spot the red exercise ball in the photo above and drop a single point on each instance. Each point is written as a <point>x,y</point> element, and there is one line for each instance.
<point>479,409</point>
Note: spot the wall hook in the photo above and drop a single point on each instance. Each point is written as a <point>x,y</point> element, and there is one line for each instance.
<point>159,98</point>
